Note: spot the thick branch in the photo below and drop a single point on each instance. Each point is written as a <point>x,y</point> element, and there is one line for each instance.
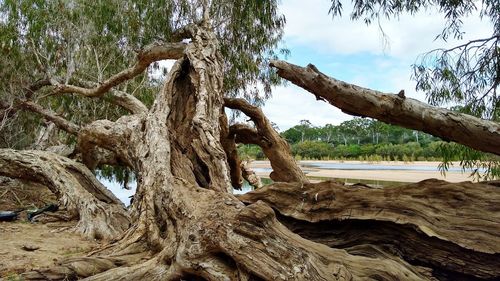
<point>113,136</point>
<point>148,55</point>
<point>229,145</point>
<point>246,135</point>
<point>426,213</point>
<point>274,146</point>
<point>474,132</point>
<point>123,99</point>
<point>60,122</point>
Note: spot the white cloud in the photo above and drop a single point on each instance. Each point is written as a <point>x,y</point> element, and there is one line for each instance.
<point>387,69</point>
<point>291,104</point>
<point>310,24</point>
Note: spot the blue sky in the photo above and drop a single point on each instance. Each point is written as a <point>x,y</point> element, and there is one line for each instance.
<point>355,53</point>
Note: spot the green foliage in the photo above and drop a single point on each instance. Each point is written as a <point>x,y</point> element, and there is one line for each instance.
<point>74,41</point>
<point>123,175</point>
<point>312,150</point>
<point>355,131</point>
<point>250,151</point>
<point>484,166</point>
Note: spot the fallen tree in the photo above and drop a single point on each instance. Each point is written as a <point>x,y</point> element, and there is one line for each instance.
<point>186,224</point>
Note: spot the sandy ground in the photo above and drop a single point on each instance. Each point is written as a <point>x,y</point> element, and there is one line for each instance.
<point>381,175</point>
<point>54,242</point>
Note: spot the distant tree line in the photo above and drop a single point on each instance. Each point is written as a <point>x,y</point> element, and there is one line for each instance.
<point>356,139</point>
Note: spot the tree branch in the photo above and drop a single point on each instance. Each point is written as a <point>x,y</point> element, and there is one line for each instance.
<point>120,98</point>
<point>60,122</point>
<point>150,54</point>
<point>101,214</point>
<point>423,213</point>
<point>274,146</point>
<point>229,145</point>
<point>465,129</point>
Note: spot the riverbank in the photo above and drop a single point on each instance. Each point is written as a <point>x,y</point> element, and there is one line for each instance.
<point>394,171</point>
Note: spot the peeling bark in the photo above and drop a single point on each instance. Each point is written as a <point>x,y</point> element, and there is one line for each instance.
<point>229,145</point>
<point>450,227</point>
<point>101,215</point>
<point>276,149</point>
<point>393,109</point>
<point>250,176</point>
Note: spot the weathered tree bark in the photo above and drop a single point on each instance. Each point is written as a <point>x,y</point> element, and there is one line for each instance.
<point>273,145</point>
<point>187,224</point>
<point>394,109</point>
<point>101,215</point>
<point>229,145</point>
<point>452,228</point>
<point>250,176</point>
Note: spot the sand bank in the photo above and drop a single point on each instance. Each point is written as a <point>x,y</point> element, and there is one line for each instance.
<point>381,175</point>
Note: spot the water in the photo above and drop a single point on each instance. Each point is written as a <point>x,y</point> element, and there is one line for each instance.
<point>363,166</point>
<point>118,190</point>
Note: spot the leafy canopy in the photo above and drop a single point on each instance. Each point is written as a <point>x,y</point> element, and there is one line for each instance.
<point>77,41</point>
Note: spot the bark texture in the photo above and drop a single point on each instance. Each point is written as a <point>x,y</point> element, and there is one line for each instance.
<point>101,215</point>
<point>188,226</point>
<point>276,149</point>
<point>452,228</point>
<point>394,109</point>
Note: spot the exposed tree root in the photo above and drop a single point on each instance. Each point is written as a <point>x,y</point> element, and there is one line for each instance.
<point>450,227</point>
<point>101,214</point>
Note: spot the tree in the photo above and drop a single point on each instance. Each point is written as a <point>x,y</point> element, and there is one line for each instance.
<point>467,76</point>
<point>185,224</point>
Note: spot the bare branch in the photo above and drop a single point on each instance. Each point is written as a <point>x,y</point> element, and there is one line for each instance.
<point>150,54</point>
<point>274,146</point>
<point>120,98</point>
<point>60,122</point>
<point>465,129</point>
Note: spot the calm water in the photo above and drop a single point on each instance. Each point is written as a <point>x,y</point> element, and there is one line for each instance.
<point>363,166</point>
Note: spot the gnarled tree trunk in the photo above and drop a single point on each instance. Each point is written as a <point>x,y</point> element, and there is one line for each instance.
<point>100,213</point>
<point>187,224</point>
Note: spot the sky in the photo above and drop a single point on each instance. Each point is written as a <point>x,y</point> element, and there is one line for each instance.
<point>356,53</point>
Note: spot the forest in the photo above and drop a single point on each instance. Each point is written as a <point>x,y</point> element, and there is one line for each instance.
<point>80,90</point>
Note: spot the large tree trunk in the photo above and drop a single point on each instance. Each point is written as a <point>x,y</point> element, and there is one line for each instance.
<point>188,225</point>
<point>465,129</point>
